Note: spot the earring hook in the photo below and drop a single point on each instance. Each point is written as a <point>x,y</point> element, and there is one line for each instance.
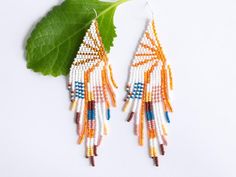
<point>150,7</point>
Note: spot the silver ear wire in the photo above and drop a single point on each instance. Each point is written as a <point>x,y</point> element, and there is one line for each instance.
<point>150,8</point>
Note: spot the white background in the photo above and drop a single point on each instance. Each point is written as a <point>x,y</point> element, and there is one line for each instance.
<point>37,132</point>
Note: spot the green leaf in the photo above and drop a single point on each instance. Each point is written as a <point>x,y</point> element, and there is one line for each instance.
<point>55,40</point>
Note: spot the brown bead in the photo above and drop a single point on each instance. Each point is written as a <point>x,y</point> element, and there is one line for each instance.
<point>95,150</point>
<point>92,161</point>
<point>155,160</point>
<point>130,116</point>
<point>77,117</point>
<point>162,149</point>
<point>151,106</point>
<point>89,105</point>
<point>93,105</point>
<point>146,106</point>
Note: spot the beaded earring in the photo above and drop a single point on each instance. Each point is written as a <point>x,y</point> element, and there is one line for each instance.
<point>150,79</point>
<point>89,86</point>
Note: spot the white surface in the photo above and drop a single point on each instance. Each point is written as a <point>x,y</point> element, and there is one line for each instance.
<point>37,132</point>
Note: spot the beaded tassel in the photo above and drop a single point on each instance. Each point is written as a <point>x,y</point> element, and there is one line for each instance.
<point>150,79</point>
<point>89,87</point>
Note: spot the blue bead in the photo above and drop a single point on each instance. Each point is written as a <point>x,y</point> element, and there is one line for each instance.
<point>167,117</point>
<point>89,115</point>
<point>108,114</point>
<point>152,115</point>
<point>147,115</point>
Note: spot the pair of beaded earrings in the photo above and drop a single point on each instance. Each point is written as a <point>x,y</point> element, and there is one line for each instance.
<point>91,87</point>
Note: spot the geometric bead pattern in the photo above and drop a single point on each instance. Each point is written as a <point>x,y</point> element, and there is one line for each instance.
<point>148,92</point>
<point>79,88</point>
<point>137,90</point>
<point>89,86</point>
